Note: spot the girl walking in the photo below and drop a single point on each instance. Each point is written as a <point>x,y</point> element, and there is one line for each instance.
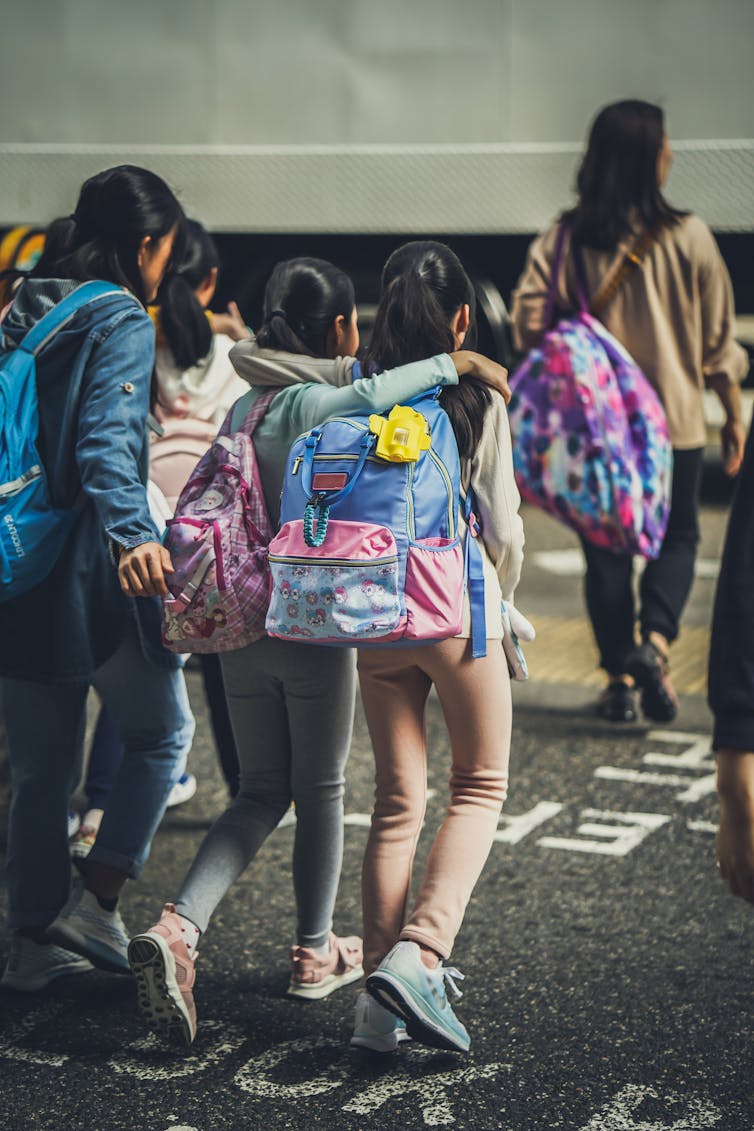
<point>80,627</point>
<point>427,305</point>
<point>674,314</point>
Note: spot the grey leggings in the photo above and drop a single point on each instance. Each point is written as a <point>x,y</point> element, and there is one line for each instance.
<point>291,706</point>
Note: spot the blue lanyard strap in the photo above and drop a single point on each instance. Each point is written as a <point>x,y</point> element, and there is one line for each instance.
<point>307,469</point>
<point>474,570</point>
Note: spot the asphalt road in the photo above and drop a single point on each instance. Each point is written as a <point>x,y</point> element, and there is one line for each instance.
<point>608,972</point>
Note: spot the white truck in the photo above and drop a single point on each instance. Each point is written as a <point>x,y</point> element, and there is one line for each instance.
<point>342,126</point>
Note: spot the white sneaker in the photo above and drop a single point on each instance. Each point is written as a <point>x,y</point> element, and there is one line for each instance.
<point>183,790</point>
<point>32,966</point>
<point>86,928</point>
<point>375,1027</point>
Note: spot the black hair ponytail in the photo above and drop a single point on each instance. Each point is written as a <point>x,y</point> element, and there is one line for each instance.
<point>116,210</point>
<point>423,287</point>
<point>302,299</point>
<point>183,320</point>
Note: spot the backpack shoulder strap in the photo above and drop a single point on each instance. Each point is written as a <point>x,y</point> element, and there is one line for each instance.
<point>64,311</point>
<point>235,422</point>
<point>630,261</point>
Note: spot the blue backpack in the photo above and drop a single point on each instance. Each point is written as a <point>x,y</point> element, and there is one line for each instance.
<point>368,550</point>
<point>32,529</point>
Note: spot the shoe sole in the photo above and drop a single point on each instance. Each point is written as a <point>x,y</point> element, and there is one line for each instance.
<point>656,704</point>
<point>101,955</point>
<point>393,994</point>
<point>315,991</point>
<point>157,994</point>
<point>384,1042</point>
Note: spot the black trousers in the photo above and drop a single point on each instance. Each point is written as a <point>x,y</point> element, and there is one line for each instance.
<point>665,583</point>
<point>731,666</point>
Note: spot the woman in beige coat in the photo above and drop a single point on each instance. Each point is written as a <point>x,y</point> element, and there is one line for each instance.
<point>674,315</point>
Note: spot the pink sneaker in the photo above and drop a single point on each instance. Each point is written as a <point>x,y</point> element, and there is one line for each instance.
<point>164,972</point>
<point>313,977</point>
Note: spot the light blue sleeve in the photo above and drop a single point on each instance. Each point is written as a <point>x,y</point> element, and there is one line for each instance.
<point>315,403</point>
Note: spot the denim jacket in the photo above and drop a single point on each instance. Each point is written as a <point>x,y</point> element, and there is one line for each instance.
<point>65,628</point>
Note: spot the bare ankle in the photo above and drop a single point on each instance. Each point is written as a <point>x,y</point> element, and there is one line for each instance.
<point>660,643</point>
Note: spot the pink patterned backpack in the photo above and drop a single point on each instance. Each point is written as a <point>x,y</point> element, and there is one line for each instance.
<point>218,545</point>
<point>590,439</point>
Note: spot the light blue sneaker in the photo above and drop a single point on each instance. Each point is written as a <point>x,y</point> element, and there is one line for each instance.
<point>87,929</point>
<point>413,992</point>
<point>375,1027</point>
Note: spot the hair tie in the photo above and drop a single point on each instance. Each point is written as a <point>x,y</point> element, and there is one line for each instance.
<point>278,313</point>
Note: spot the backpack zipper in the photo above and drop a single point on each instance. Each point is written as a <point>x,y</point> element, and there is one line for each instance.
<point>364,563</point>
<point>449,486</point>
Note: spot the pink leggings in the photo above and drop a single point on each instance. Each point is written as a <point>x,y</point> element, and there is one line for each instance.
<point>476,702</point>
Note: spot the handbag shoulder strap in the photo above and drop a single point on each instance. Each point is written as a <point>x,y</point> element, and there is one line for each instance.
<point>630,261</point>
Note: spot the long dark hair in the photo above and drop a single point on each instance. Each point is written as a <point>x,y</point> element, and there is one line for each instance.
<point>302,299</point>
<point>423,286</point>
<point>116,209</point>
<point>183,319</point>
<point>617,179</point>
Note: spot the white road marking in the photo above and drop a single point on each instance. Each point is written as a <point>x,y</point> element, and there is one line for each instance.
<point>148,1058</point>
<point>694,757</point>
<point>697,754</point>
<point>616,839</point>
<point>702,827</point>
<point>618,1114</point>
<point>254,1078</point>
<point>430,1090</point>
<point>692,789</point>
<point>519,827</point>
<point>10,1044</point>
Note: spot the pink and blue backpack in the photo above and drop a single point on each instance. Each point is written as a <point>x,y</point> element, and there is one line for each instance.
<point>368,552</point>
<point>590,439</point>
<point>218,545</point>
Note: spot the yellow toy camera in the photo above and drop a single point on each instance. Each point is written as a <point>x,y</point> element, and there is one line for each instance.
<point>402,437</point>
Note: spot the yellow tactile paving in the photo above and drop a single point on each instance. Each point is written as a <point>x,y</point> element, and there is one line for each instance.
<point>564,652</point>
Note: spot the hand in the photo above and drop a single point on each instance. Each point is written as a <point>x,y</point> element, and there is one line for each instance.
<point>231,324</point>
<point>735,837</point>
<point>142,570</point>
<point>733,438</point>
<point>471,364</point>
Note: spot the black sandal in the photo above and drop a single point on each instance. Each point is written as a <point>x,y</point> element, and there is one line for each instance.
<point>651,672</point>
<point>617,703</point>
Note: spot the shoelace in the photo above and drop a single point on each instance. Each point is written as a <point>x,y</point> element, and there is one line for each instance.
<point>449,975</point>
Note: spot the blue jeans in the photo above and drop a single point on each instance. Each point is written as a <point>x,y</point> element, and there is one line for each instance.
<point>45,724</point>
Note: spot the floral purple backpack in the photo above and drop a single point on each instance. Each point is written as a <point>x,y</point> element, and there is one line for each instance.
<point>218,543</point>
<point>590,439</point>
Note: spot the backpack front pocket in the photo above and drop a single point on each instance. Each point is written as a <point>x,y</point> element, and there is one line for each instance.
<point>344,590</point>
<point>434,589</point>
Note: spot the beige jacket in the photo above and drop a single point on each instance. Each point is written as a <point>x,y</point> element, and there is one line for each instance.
<point>674,314</point>
<point>490,473</point>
